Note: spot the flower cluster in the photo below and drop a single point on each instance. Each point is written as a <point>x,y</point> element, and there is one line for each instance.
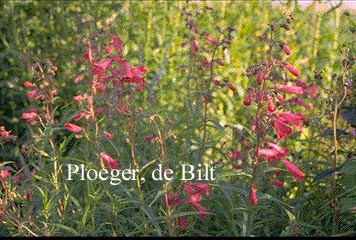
<point>110,73</point>
<point>42,89</point>
<point>194,191</point>
<point>269,96</point>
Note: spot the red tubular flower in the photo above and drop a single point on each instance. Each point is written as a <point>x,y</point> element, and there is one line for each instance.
<point>275,152</point>
<point>188,189</point>
<point>79,115</point>
<point>202,210</point>
<point>194,198</point>
<point>29,85</point>
<point>249,98</point>
<point>270,105</point>
<point>216,82</point>
<point>4,174</point>
<point>33,94</point>
<point>99,110</point>
<point>220,62</point>
<point>285,48</point>
<point>112,163</point>
<point>72,127</point>
<point>108,135</point>
<point>234,155</point>
<point>182,224</point>
<point>3,132</point>
<point>253,195</point>
<point>29,115</point>
<point>150,137</point>
<point>282,129</point>
<point>78,98</point>
<point>311,90</point>
<point>201,187</point>
<point>293,170</point>
<point>280,98</point>
<point>100,67</point>
<point>210,40</point>
<point>195,47</point>
<point>126,71</point>
<point>276,182</point>
<point>294,119</point>
<point>173,199</point>
<point>230,86</point>
<point>289,89</point>
<point>291,69</point>
<point>282,151</point>
<point>109,48</point>
<point>259,77</point>
<point>117,42</point>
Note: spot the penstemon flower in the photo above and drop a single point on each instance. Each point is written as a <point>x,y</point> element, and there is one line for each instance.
<point>269,98</point>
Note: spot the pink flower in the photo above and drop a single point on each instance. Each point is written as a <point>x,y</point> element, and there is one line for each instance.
<point>294,119</point>
<point>230,86</point>
<point>4,174</point>
<point>173,199</point>
<point>150,137</point>
<point>109,48</point>
<point>259,77</point>
<point>280,98</point>
<point>201,187</point>
<point>108,135</point>
<point>29,85</point>
<point>270,105</point>
<point>293,170</point>
<point>28,115</point>
<point>276,182</point>
<point>182,224</point>
<point>253,195</point>
<point>112,163</point>
<point>291,69</point>
<point>249,97</point>
<point>33,94</point>
<point>275,152</point>
<point>289,89</point>
<point>202,210</point>
<point>234,155</point>
<point>188,189</point>
<point>282,129</point>
<point>117,42</point>
<point>79,115</point>
<point>3,132</point>
<point>78,98</point>
<point>195,47</point>
<point>99,110</point>
<point>285,48</point>
<point>101,66</point>
<point>311,90</point>
<point>220,62</point>
<point>72,127</point>
<point>216,82</point>
<point>210,40</point>
<point>194,198</point>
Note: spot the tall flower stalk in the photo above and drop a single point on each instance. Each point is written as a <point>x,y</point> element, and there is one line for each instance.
<point>275,81</point>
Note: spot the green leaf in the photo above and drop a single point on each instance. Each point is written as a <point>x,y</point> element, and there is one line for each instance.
<point>68,229</point>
